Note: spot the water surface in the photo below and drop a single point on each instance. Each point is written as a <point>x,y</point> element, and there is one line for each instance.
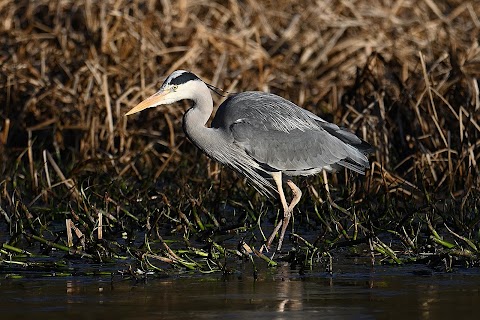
<point>352,292</point>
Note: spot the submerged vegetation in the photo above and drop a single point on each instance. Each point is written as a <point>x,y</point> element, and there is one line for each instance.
<point>79,183</point>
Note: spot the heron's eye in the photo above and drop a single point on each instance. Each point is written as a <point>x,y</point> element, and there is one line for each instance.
<point>174,88</point>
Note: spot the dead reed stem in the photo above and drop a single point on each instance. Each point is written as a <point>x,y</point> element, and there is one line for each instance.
<point>403,75</point>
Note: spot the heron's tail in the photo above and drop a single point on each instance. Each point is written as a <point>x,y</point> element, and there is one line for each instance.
<point>357,157</point>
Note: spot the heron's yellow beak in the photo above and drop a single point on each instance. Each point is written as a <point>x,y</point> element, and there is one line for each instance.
<point>150,102</point>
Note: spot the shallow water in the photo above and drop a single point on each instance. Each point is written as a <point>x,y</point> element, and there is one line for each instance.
<point>352,292</point>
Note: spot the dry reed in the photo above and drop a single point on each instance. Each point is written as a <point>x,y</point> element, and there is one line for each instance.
<point>404,75</point>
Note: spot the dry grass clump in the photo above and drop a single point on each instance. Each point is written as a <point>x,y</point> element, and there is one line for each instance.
<point>401,74</point>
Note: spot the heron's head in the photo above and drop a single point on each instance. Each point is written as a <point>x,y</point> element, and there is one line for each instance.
<point>178,86</point>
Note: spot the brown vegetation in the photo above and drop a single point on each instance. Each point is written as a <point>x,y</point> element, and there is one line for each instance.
<point>404,75</point>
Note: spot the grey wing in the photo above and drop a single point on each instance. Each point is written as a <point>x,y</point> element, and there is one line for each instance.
<point>284,137</point>
<point>296,152</point>
<point>264,109</point>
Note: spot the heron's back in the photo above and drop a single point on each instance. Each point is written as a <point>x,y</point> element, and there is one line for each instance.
<point>281,136</point>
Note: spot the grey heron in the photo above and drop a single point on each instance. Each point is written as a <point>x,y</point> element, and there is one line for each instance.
<point>262,136</point>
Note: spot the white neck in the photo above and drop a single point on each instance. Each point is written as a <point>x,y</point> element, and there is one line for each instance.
<point>202,103</point>
<point>196,118</point>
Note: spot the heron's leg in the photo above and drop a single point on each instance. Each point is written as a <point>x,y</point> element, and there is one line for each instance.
<point>297,194</point>
<point>277,177</point>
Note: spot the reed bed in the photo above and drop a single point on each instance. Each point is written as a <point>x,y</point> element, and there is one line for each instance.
<point>77,181</point>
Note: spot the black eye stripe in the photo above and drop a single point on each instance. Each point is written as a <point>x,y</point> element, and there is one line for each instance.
<point>183,78</point>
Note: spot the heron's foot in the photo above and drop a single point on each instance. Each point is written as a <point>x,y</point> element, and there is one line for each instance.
<point>283,224</point>
<point>297,194</point>
<point>286,221</point>
<point>272,236</point>
<point>287,209</point>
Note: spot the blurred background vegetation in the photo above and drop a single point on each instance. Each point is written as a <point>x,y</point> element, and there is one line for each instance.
<point>403,75</point>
